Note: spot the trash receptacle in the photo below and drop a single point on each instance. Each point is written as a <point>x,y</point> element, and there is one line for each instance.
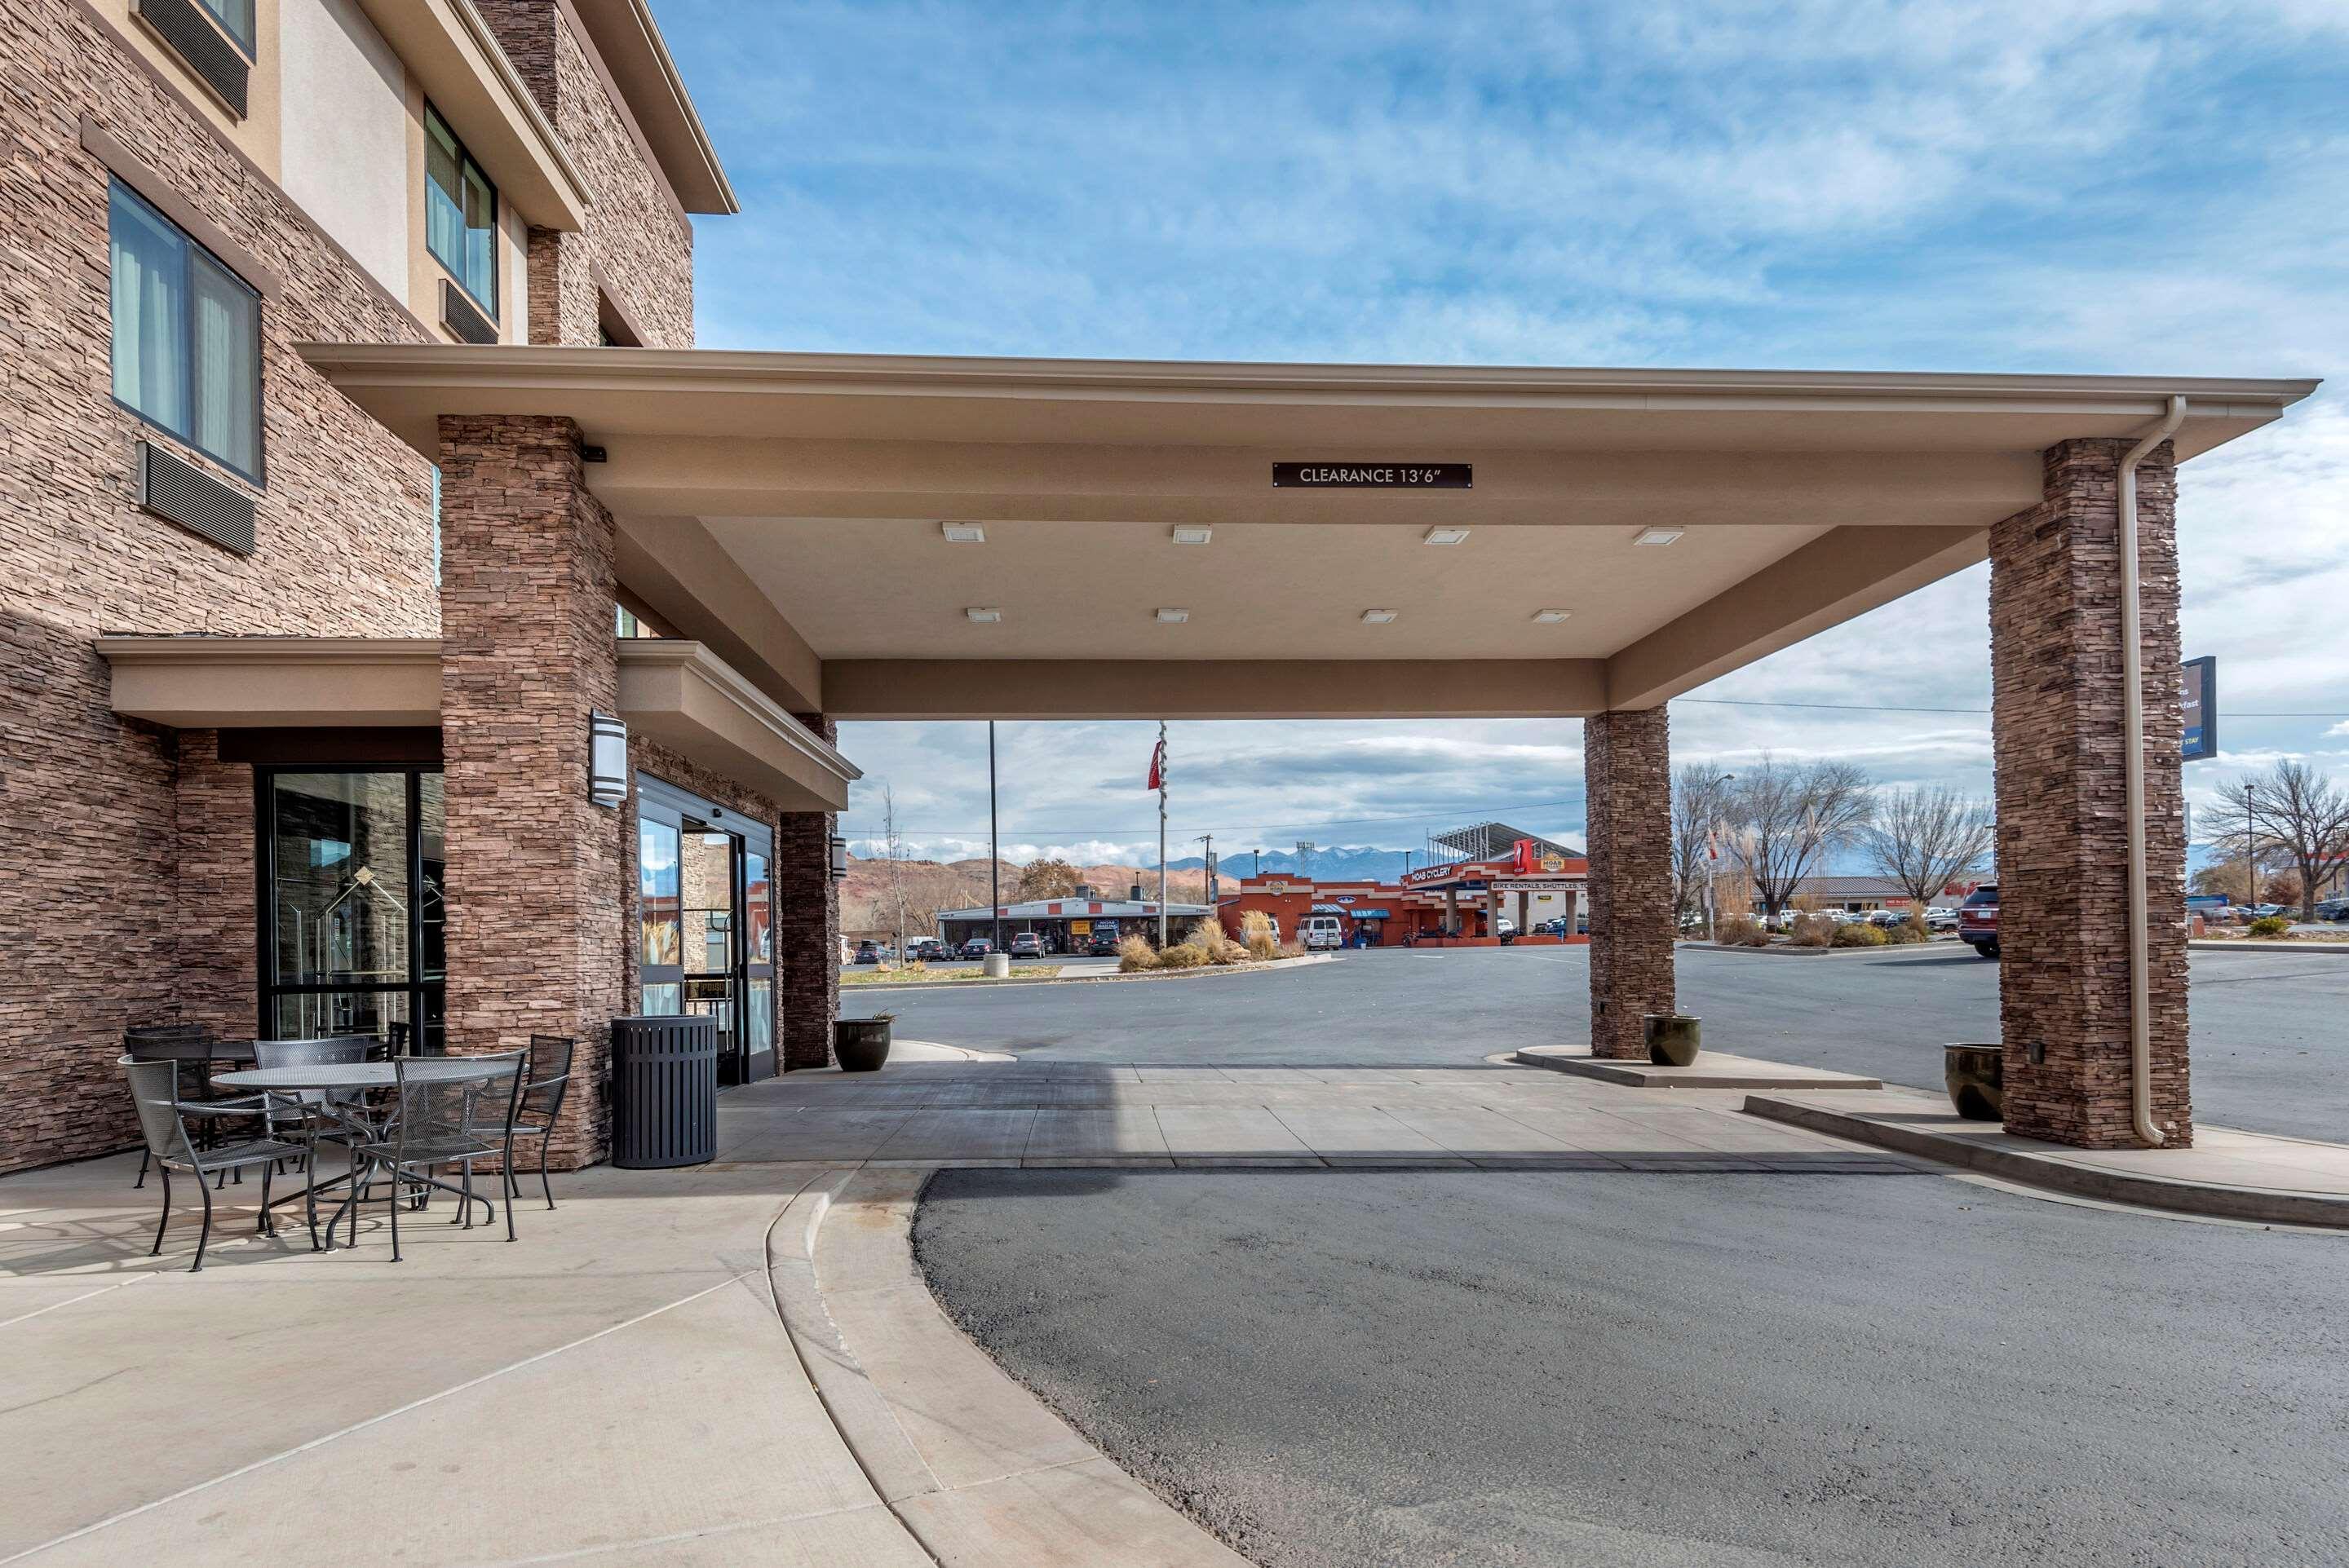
<point>663,1092</point>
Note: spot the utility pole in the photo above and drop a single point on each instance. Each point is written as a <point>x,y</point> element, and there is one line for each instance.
<point>1260,864</point>
<point>994,852</point>
<point>1209,839</point>
<point>1162,834</point>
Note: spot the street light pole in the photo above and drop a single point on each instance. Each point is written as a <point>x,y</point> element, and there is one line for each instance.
<point>994,851</point>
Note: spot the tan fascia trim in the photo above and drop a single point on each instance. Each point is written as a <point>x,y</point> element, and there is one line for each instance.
<point>235,683</point>
<point>1212,688</point>
<point>636,58</point>
<point>696,589</point>
<point>466,75</point>
<point>683,696</point>
<point>539,366</point>
<point>134,171</point>
<point>1843,573</point>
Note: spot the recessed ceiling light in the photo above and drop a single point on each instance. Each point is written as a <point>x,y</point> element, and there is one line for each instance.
<point>1173,614</point>
<point>963,532</point>
<point>985,613</point>
<point>1446,536</point>
<point>1551,618</point>
<point>1193,535</point>
<point>1378,617</point>
<point>1659,536</point>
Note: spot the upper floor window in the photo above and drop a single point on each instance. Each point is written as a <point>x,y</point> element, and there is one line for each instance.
<point>187,336</point>
<point>236,18</point>
<point>460,213</point>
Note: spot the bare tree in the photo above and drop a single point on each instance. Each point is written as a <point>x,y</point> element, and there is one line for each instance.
<point>1698,796</point>
<point>1926,838</point>
<point>1785,818</point>
<point>2289,816</point>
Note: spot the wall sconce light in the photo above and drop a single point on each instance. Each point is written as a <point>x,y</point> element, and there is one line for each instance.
<point>607,759</point>
<point>839,859</point>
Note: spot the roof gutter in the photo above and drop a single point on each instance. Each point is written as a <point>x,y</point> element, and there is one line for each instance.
<point>2133,782</point>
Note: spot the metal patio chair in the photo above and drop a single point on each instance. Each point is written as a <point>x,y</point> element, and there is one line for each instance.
<point>445,1122</point>
<point>139,1039</point>
<point>162,1119</point>
<point>548,1077</point>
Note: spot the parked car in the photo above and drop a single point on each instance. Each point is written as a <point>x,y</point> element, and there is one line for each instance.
<point>1938,919</point>
<point>868,951</point>
<point>1978,920</point>
<point>1101,944</point>
<point>1887,917</point>
<point>1027,945</point>
<point>927,950</point>
<point>1501,927</point>
<point>978,947</point>
<point>2336,909</point>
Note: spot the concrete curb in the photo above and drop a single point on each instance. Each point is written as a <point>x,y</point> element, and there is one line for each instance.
<point>1305,962</point>
<point>1648,1075</point>
<point>973,1466</point>
<point>2255,1204</point>
<point>1906,950</point>
<point>2262,944</point>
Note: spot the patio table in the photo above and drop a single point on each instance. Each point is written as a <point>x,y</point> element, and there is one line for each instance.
<point>352,1077</point>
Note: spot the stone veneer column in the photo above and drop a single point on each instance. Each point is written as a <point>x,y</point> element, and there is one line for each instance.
<point>216,982</point>
<point>1626,782</point>
<point>2063,838</point>
<point>527,653</point>
<point>807,928</point>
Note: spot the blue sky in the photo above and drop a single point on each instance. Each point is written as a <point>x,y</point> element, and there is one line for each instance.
<point>2087,185</point>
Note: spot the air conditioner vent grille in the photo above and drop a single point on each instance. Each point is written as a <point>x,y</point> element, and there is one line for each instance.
<point>459,315</point>
<point>179,490</point>
<point>204,47</point>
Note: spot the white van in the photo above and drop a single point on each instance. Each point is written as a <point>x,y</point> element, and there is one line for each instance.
<point>1323,933</point>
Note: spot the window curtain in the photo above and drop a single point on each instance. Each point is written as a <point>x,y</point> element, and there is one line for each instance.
<point>227,372</point>
<point>149,301</point>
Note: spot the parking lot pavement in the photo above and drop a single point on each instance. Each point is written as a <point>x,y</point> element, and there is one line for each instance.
<point>1338,1369</point>
<point>2270,1052</point>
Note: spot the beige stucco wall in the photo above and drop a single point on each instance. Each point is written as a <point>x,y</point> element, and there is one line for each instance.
<point>345,126</point>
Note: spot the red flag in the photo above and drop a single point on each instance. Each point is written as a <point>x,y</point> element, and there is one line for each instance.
<point>1158,764</point>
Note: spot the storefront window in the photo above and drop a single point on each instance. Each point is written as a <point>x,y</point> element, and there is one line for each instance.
<point>660,922</point>
<point>353,919</point>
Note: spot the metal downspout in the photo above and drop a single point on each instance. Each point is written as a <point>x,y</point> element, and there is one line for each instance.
<point>2133,784</point>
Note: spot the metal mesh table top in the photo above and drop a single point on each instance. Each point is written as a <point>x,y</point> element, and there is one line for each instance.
<point>365,1075</point>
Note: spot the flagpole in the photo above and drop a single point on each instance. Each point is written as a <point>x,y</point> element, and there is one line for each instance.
<point>1162,833</point>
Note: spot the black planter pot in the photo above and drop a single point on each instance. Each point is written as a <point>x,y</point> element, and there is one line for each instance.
<point>1975,1076</point>
<point>861,1044</point>
<point>1673,1039</point>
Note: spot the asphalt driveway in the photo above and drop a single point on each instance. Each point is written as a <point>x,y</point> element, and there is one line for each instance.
<point>2270,1049</point>
<point>1337,1369</point>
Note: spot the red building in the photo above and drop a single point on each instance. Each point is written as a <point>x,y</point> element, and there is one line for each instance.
<point>1466,904</point>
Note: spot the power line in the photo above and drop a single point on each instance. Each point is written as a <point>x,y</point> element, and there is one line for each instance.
<point>1263,830</point>
<point>1881,708</point>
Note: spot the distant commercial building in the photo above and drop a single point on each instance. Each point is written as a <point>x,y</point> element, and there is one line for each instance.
<point>1526,879</point>
<point>1068,925</point>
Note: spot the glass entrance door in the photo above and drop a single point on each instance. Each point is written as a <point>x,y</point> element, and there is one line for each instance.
<point>706,922</point>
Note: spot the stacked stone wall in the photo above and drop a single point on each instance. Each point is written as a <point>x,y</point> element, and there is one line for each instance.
<point>100,907</point>
<point>2063,833</point>
<point>1627,783</point>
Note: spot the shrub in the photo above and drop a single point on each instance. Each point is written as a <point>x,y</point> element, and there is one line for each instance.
<point>1183,955</point>
<point>1912,929</point>
<point>1814,931</point>
<point>1261,946</point>
<point>1859,934</point>
<point>2270,925</point>
<point>1135,955</point>
<point>1736,930</point>
<point>1290,950</point>
<point>1207,935</point>
<point>1253,925</point>
<point>1758,937</point>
